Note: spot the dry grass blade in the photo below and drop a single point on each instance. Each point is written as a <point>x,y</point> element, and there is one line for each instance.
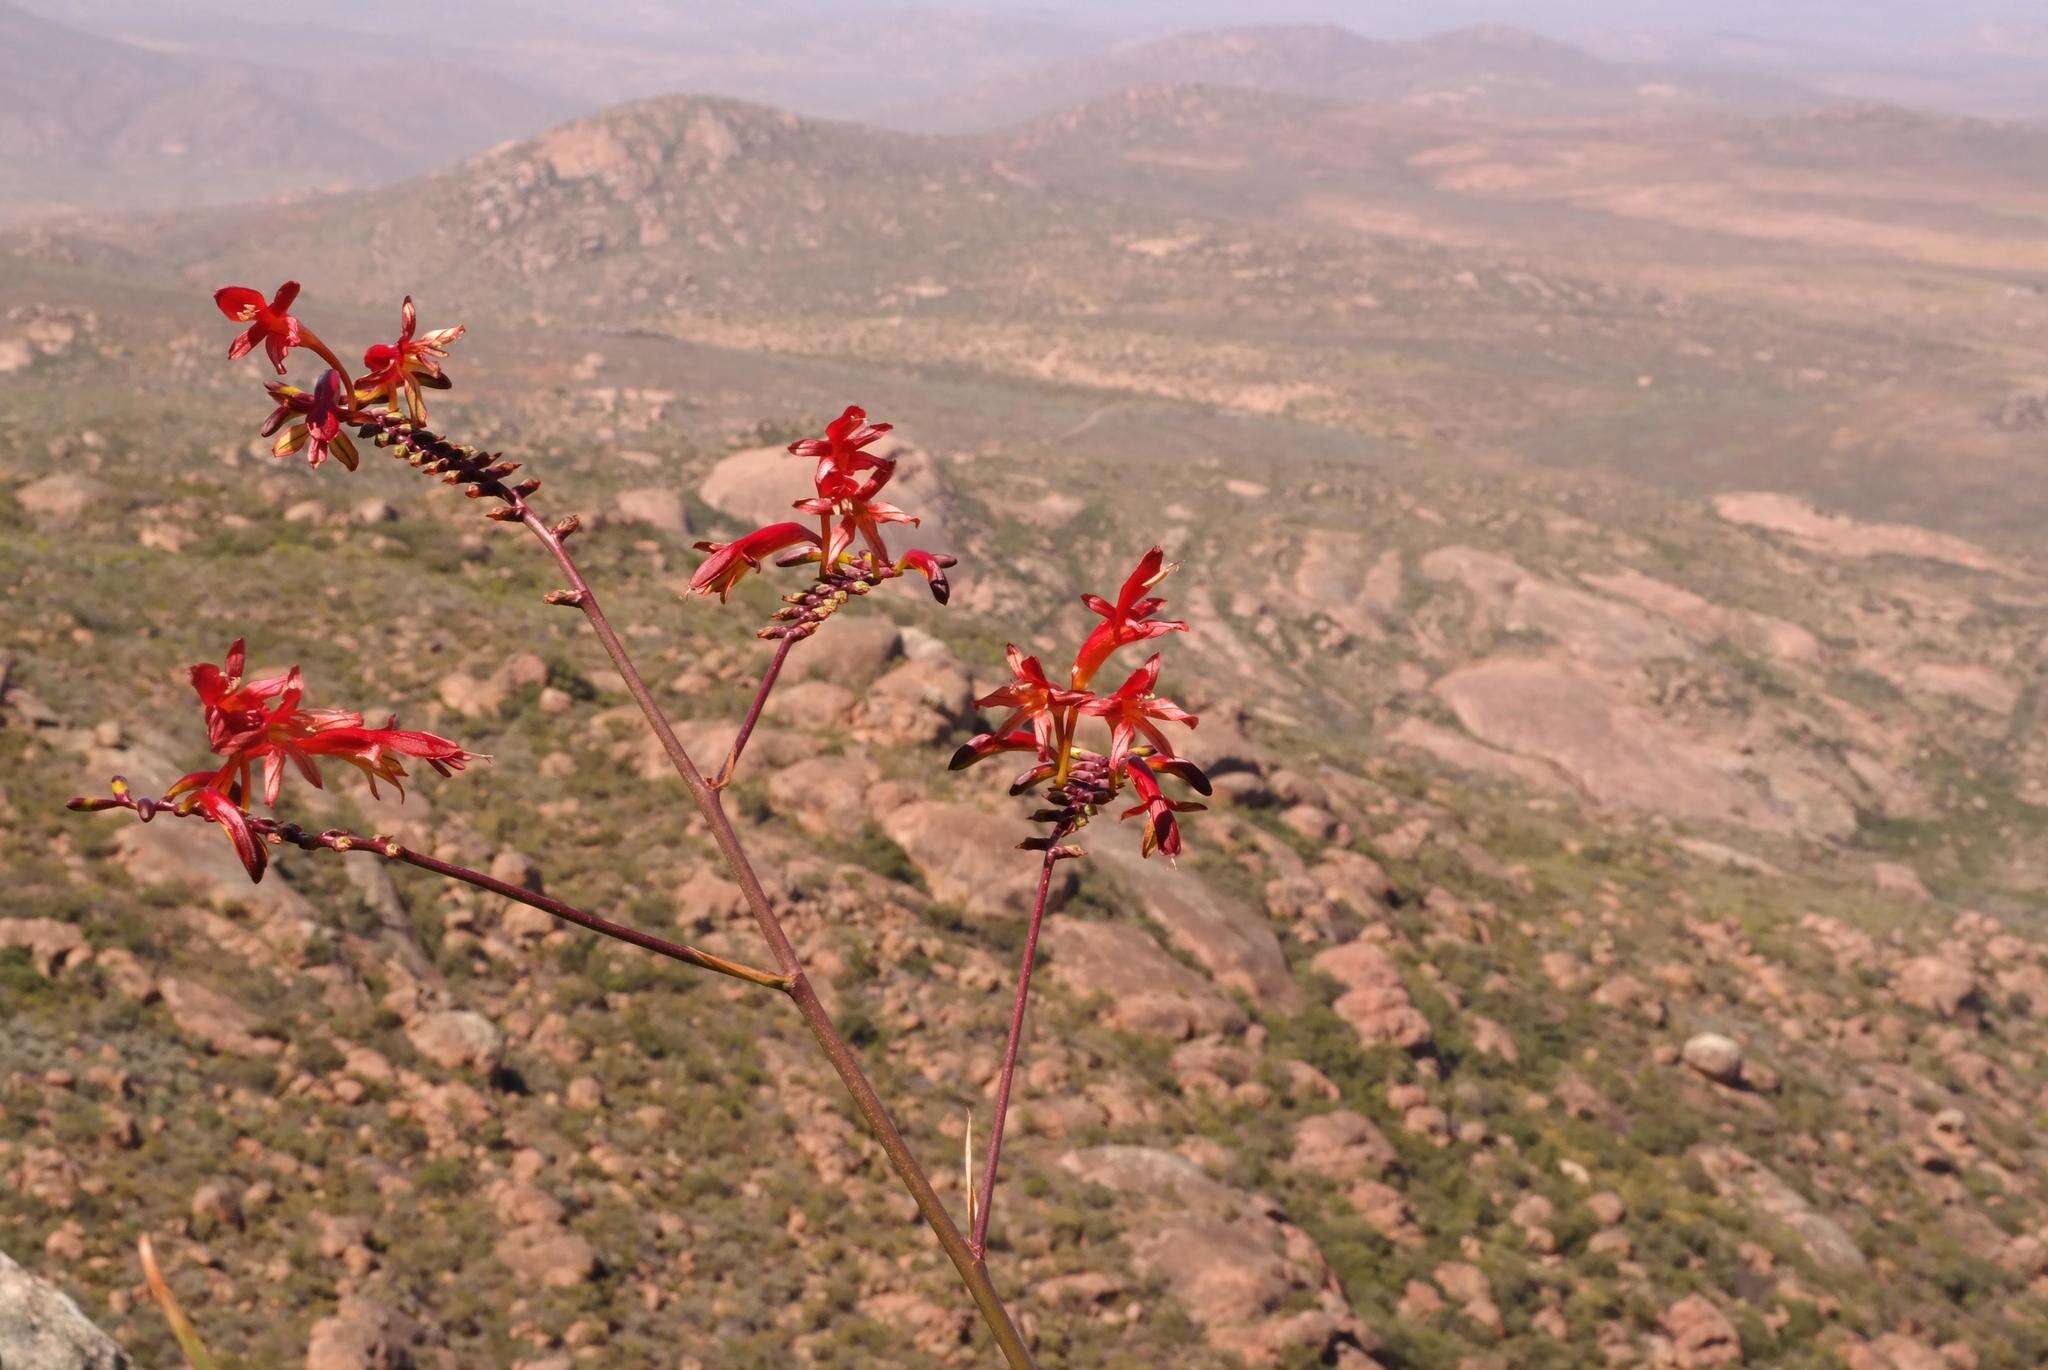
<point>195,1352</point>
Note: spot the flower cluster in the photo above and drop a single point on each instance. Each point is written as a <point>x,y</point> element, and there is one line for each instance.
<point>848,548</point>
<point>1043,718</point>
<point>259,723</point>
<point>392,377</point>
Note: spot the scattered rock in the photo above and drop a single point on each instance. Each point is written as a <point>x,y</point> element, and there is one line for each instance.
<point>1938,985</point>
<point>42,1329</point>
<point>968,857</point>
<point>1714,1056</point>
<point>1701,1333</point>
<point>1342,1146</point>
<point>216,1020</point>
<point>656,507</point>
<point>1148,990</point>
<point>364,1335</point>
<point>63,497</point>
<point>547,1255</point>
<point>457,1039</point>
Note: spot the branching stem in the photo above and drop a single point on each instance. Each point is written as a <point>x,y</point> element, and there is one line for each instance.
<point>739,741</point>
<point>972,1272</point>
<point>336,840</point>
<point>995,1135</point>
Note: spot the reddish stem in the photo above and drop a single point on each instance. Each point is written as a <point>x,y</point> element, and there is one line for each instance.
<point>739,742</point>
<point>972,1273</point>
<point>336,840</point>
<point>979,1242</point>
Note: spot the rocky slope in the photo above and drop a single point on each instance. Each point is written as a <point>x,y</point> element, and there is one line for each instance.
<point>1616,939</point>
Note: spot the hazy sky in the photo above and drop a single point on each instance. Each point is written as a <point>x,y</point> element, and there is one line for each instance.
<point>1861,22</point>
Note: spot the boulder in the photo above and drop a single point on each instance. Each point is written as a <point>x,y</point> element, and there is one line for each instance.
<point>42,1329</point>
<point>52,946</point>
<point>1937,984</point>
<point>1342,1146</point>
<point>758,485</point>
<point>1231,940</point>
<point>364,1335</point>
<point>547,1255</point>
<point>1256,1284</point>
<point>968,857</point>
<point>850,649</point>
<point>1148,990</point>
<point>656,507</point>
<point>827,794</point>
<point>1701,1333</point>
<point>1714,1056</point>
<point>218,1021</point>
<point>457,1039</point>
<point>61,498</point>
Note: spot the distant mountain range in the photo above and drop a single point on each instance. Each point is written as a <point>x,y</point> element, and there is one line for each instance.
<point>1486,70</point>
<point>89,121</point>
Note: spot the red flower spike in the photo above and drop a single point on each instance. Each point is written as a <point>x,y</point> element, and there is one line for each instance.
<point>1162,829</point>
<point>1131,712</point>
<point>320,414</point>
<point>729,562</point>
<point>259,722</point>
<point>404,367</point>
<point>1128,620</point>
<point>839,454</point>
<point>270,321</point>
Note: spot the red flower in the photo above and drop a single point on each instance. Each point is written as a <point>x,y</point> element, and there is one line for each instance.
<point>321,415</point>
<point>730,561</point>
<point>1031,698</point>
<point>1162,829</point>
<point>1131,710</point>
<point>858,511</point>
<point>271,323</point>
<point>259,722</point>
<point>1128,620</point>
<point>405,366</point>
<point>839,454</point>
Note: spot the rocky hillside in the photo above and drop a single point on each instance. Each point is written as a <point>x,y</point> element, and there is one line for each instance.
<point>1617,937</point>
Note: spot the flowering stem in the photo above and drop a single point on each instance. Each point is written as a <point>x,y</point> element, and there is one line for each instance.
<point>310,340</point>
<point>336,840</point>
<point>995,1136</point>
<point>739,742</point>
<point>972,1272</point>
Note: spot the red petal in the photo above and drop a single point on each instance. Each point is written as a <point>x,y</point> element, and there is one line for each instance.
<point>238,302</point>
